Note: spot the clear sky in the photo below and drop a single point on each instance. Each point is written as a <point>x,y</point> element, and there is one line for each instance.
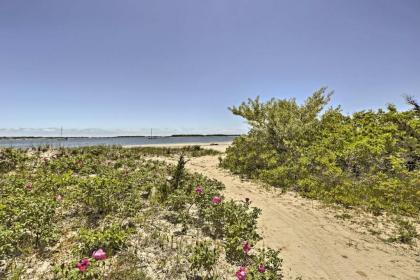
<point>176,65</point>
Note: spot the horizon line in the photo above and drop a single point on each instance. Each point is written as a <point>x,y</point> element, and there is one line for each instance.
<point>121,136</point>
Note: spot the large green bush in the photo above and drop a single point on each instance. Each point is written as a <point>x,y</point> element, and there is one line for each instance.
<point>369,159</point>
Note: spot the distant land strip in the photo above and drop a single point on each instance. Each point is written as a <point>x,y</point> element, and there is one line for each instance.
<point>120,136</point>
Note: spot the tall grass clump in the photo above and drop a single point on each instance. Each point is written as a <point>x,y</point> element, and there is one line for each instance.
<point>369,159</point>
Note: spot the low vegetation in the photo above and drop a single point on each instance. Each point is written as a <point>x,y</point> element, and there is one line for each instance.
<point>370,159</point>
<point>108,213</point>
<point>190,151</point>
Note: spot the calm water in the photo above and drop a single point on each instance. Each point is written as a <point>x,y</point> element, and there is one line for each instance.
<point>93,141</point>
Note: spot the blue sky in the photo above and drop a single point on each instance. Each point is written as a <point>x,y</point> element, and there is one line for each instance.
<point>125,66</point>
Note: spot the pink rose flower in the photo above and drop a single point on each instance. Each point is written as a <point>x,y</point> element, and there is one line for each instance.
<point>99,255</point>
<point>241,273</point>
<point>83,264</point>
<point>216,200</point>
<point>261,268</point>
<point>246,247</point>
<point>198,190</point>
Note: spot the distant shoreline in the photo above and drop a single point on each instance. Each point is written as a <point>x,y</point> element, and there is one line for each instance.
<point>119,136</point>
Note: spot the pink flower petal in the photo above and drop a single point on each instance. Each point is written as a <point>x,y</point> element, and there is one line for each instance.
<point>99,255</point>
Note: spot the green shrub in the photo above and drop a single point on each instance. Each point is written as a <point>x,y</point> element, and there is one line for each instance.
<point>236,223</point>
<point>111,239</point>
<point>204,256</point>
<point>26,222</point>
<point>369,159</point>
<point>10,158</point>
<point>269,263</point>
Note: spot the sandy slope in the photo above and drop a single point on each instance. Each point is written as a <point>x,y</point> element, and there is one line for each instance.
<point>314,244</point>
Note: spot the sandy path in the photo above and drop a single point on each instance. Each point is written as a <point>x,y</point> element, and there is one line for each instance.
<point>314,245</point>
